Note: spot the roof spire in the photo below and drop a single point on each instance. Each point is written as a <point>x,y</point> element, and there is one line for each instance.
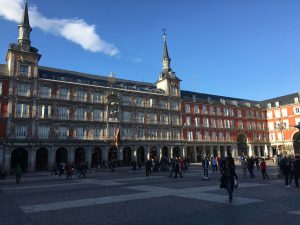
<point>24,30</point>
<point>166,59</point>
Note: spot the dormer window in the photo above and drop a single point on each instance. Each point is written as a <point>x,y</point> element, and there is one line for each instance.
<point>277,104</point>
<point>23,70</point>
<point>296,99</point>
<point>269,105</point>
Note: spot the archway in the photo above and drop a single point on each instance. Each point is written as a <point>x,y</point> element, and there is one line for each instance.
<point>153,152</point>
<point>296,142</point>
<point>79,156</point>
<point>165,152</point>
<point>41,162</point>
<point>140,155</point>
<point>19,156</point>
<point>176,152</point>
<point>242,144</point>
<point>96,158</point>
<point>112,154</point>
<point>61,156</point>
<point>127,156</point>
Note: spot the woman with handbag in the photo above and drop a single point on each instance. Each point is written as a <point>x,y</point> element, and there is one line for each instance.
<point>229,176</point>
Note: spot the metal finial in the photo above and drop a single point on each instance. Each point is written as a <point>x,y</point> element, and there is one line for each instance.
<point>165,35</point>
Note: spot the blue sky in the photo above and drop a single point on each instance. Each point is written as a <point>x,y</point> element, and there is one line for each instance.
<point>245,48</point>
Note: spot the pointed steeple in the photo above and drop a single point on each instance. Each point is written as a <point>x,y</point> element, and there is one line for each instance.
<point>25,18</point>
<point>24,30</point>
<point>166,59</point>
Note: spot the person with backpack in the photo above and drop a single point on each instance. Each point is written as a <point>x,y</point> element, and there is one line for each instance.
<point>228,176</point>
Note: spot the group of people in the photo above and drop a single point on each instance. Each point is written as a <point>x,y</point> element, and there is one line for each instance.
<point>69,169</point>
<point>248,165</point>
<point>289,166</point>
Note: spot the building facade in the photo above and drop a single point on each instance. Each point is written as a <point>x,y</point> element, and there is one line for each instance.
<point>51,115</point>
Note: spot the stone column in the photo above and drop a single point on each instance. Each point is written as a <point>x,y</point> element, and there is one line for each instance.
<point>159,152</point>
<point>51,157</point>
<point>184,153</point>
<point>211,151</point>
<point>194,154</point>
<point>104,153</point>
<point>267,152</point>
<point>31,159</point>
<point>250,152</point>
<point>170,153</point>
<point>219,150</point>
<point>120,153</point>
<point>71,154</point>
<point>7,158</point>
<point>88,156</point>
<point>147,153</point>
<point>133,154</point>
<point>234,151</point>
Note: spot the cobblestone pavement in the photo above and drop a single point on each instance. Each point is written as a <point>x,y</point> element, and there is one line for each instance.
<point>128,197</point>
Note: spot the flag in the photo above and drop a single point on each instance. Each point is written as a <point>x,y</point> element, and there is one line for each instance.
<point>117,136</point>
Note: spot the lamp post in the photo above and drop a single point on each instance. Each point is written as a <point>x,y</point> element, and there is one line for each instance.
<point>281,127</point>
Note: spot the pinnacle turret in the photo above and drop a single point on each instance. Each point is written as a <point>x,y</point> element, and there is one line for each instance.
<point>24,30</point>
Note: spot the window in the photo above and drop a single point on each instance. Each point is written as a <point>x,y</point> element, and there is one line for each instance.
<point>205,122</point>
<point>175,120</point>
<point>219,111</point>
<point>127,116</point>
<point>249,125</point>
<point>23,89</point>
<point>276,104</point>
<point>213,123</point>
<point>139,101</point>
<point>165,134</point>
<point>271,125</point>
<point>81,114</point>
<point>163,104</point>
<point>207,137</point>
<point>81,133</point>
<point>22,110</point>
<point>126,100</point>
<point>220,123</point>
<point>253,125</point>
<point>24,70</point>
<point>152,118</point>
<point>258,126</point>
<point>63,132</point>
<point>269,105</point>
<point>240,124</point>
<point>174,105</point>
<point>44,111</point>
<point>176,134</point>
<point>284,112</point>
<point>227,136</point>
<point>257,115</point>
<point>141,117</point>
<point>153,134</point>
<point>297,110</point>
<point>164,119</point>
<point>226,123</point>
<point>190,135</point>
<point>247,114</point>
<point>196,109</point>
<point>296,99</point>
<point>213,136</point>
<point>174,91</point>
<point>152,102</point>
<point>264,126</point>
<point>98,97</point>
<point>239,113</point>
<point>98,134</point>
<point>204,109</point>
<point>277,114</point>
<point>45,92</point>
<point>231,112</point>
<point>188,121</point>
<point>211,110</point>
<point>43,132</point>
<point>272,136</point>
<point>21,131</point>
<point>198,136</point>
<point>64,94</point>
<point>286,124</point>
<point>187,108</point>
<point>252,115</point>
<point>280,137</point>
<point>98,115</point>
<point>270,115</point>
<point>263,115</point>
<point>141,133</point>
<point>63,113</point>
<point>126,133</point>
<point>81,96</point>
<point>197,121</point>
<point>226,111</point>
<point>221,137</point>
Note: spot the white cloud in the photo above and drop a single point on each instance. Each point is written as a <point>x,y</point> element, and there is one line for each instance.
<point>75,30</point>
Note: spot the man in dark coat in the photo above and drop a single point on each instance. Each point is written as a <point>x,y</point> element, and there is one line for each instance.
<point>228,176</point>
<point>296,166</point>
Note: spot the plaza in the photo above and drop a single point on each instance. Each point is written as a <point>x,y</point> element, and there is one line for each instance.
<point>128,197</point>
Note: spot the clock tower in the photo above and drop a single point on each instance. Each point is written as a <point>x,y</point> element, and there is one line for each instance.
<point>168,81</point>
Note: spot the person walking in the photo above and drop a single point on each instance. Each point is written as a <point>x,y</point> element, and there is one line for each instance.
<point>244,166</point>
<point>263,168</point>
<point>296,166</point>
<point>250,163</point>
<point>18,172</point>
<point>286,169</point>
<point>148,167</point>
<point>214,164</point>
<point>177,169</point>
<point>205,164</point>
<point>228,176</point>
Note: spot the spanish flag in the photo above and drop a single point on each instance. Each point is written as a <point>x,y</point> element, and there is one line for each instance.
<point>117,136</point>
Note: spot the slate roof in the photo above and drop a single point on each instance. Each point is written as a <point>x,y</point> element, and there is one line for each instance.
<point>283,100</point>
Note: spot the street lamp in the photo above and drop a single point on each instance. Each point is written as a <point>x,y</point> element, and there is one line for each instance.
<point>280,126</point>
